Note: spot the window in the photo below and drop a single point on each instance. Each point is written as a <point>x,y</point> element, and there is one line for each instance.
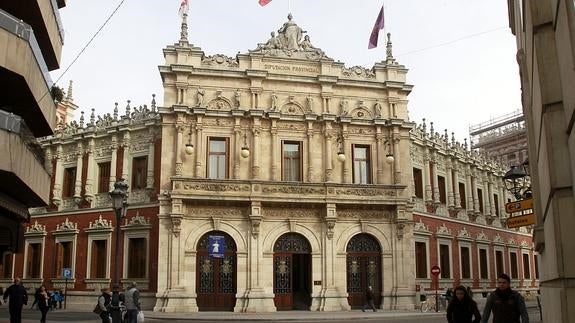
<point>441,184</point>
<point>526,267</point>
<point>291,161</point>
<point>361,165</point>
<point>98,263</point>
<point>496,202</point>
<point>103,177</point>
<point>218,158</point>
<point>513,262</point>
<point>444,262</point>
<point>137,254</point>
<point>139,172</point>
<point>483,266</point>
<point>465,262</point>
<point>6,265</point>
<point>33,260</point>
<point>418,182</point>
<point>480,200</point>
<point>499,262</point>
<point>462,197</point>
<point>536,267</point>
<point>69,182</point>
<point>420,260</point>
<point>63,257</point>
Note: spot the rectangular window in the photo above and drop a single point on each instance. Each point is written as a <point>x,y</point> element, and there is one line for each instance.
<point>291,161</point>
<point>99,259</point>
<point>465,262</point>
<point>69,182</point>
<point>418,182</point>
<point>526,267</point>
<point>499,262</point>
<point>218,158</point>
<point>104,177</point>
<point>139,172</point>
<point>483,268</point>
<point>496,202</point>
<point>33,260</point>
<point>420,260</point>
<point>441,184</point>
<point>462,197</point>
<point>6,265</point>
<point>361,165</point>
<point>513,262</point>
<point>480,200</point>
<point>63,257</point>
<point>137,258</point>
<point>536,260</point>
<point>444,262</point>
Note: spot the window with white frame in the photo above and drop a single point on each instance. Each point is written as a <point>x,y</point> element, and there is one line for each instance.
<point>361,164</point>
<point>98,256</point>
<point>136,248</point>
<point>104,176</point>
<point>421,258</point>
<point>139,172</point>
<point>483,263</point>
<point>441,186</point>
<point>34,256</point>
<point>418,182</point>
<point>499,265</point>
<point>68,185</point>
<point>291,161</point>
<point>526,266</point>
<point>63,256</point>
<point>465,260</point>
<point>445,259</point>
<point>217,158</point>
<point>513,264</point>
<point>7,265</point>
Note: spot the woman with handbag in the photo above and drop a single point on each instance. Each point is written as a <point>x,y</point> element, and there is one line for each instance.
<point>103,306</point>
<point>42,298</point>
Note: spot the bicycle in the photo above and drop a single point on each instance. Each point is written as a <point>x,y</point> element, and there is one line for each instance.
<point>429,304</point>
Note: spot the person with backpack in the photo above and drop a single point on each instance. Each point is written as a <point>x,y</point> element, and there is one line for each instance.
<point>506,304</point>
<point>104,302</point>
<point>462,308</point>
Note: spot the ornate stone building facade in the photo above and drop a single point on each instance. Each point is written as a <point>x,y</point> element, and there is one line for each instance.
<point>280,180</point>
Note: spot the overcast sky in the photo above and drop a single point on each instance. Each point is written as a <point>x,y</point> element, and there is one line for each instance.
<point>460,53</point>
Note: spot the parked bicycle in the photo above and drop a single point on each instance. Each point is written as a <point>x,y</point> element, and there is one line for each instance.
<point>429,304</point>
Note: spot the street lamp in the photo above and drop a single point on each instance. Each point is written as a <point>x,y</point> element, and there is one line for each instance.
<point>119,197</point>
<point>515,181</point>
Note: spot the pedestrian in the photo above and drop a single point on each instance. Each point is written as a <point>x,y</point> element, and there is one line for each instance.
<point>58,298</point>
<point>506,304</point>
<point>369,299</point>
<point>17,298</point>
<point>462,308</point>
<point>132,303</point>
<point>35,302</point>
<point>42,298</point>
<point>469,292</point>
<point>104,302</point>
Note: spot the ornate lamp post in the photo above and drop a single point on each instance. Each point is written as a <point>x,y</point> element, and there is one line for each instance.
<point>119,202</point>
<point>515,181</point>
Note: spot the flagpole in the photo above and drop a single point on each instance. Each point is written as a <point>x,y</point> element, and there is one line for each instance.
<point>289,6</point>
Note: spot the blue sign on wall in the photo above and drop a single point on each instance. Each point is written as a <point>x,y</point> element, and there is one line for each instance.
<point>67,273</point>
<point>216,246</point>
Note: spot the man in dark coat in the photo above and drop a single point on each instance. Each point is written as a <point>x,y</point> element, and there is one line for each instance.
<point>17,297</point>
<point>506,304</point>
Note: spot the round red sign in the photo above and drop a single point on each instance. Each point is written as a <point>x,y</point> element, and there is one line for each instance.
<point>435,270</point>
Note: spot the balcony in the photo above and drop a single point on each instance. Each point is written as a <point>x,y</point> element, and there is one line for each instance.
<point>24,77</point>
<point>44,18</point>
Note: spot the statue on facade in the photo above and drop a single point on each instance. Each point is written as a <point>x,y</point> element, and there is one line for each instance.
<point>344,108</point>
<point>290,34</point>
<point>200,97</point>
<point>237,97</point>
<point>274,98</point>
<point>377,109</point>
<point>272,43</point>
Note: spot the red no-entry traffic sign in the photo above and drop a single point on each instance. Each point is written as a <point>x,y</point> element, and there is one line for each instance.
<point>435,270</point>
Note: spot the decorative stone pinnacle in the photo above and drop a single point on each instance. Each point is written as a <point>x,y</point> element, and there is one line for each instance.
<point>128,109</point>
<point>388,48</point>
<point>115,110</point>
<point>82,119</point>
<point>153,104</point>
<point>69,97</point>
<point>92,117</point>
<point>184,30</point>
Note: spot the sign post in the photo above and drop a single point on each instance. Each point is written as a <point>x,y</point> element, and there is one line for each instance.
<point>435,271</point>
<point>526,216</point>
<point>67,274</point>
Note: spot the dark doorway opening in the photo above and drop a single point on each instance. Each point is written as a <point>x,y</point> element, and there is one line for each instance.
<point>292,273</point>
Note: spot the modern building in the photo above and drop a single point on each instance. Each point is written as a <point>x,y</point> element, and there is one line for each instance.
<point>278,179</point>
<point>545,34</point>
<point>31,38</point>
<point>503,138</point>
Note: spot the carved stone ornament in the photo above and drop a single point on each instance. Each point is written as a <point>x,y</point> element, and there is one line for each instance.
<point>330,223</point>
<point>361,113</point>
<point>290,42</point>
<point>497,239</point>
<point>364,192</point>
<point>357,72</point>
<point>287,213</point>
<point>220,60</point>
<point>214,187</point>
<point>443,230</point>
<point>524,244</point>
<point>100,223</point>
<point>420,226</point>
<point>511,241</point>
<point>463,233</point>
<point>292,108</point>
<point>482,237</point>
<point>67,226</point>
<point>137,220</point>
<point>292,189</point>
<point>222,104</point>
<point>36,228</point>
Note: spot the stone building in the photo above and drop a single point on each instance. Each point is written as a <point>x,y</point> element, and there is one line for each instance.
<point>545,36</point>
<point>31,39</point>
<point>282,180</point>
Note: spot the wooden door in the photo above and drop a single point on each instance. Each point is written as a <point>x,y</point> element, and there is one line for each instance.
<point>286,248</point>
<point>216,277</point>
<point>363,266</point>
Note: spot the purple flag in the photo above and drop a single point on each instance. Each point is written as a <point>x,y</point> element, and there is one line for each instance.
<point>375,31</point>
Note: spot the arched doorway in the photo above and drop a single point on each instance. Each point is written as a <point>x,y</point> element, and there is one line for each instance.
<point>216,273</point>
<point>292,272</point>
<point>363,269</point>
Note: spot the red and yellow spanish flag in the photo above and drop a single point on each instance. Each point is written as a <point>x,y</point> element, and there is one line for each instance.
<point>264,2</point>
<point>375,31</point>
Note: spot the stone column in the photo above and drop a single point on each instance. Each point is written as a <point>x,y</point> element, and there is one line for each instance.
<point>328,153</point>
<point>79,164</point>
<point>474,191</point>
<point>450,185</point>
<point>126,160</point>
<point>347,175</point>
<point>426,179</point>
<point>151,159</point>
<point>91,167</point>
<point>58,177</point>
<point>490,192</point>
<point>396,158</point>
<point>434,176</point>
<point>274,151</point>
<point>469,188</point>
<point>179,144</point>
<point>200,151</point>
<point>237,146</point>
<point>457,195</point>
<point>310,151</point>
<point>113,162</point>
<point>256,152</point>
<point>380,153</point>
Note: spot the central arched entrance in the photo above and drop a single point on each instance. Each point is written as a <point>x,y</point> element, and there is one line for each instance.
<point>216,272</point>
<point>363,269</point>
<point>292,272</point>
